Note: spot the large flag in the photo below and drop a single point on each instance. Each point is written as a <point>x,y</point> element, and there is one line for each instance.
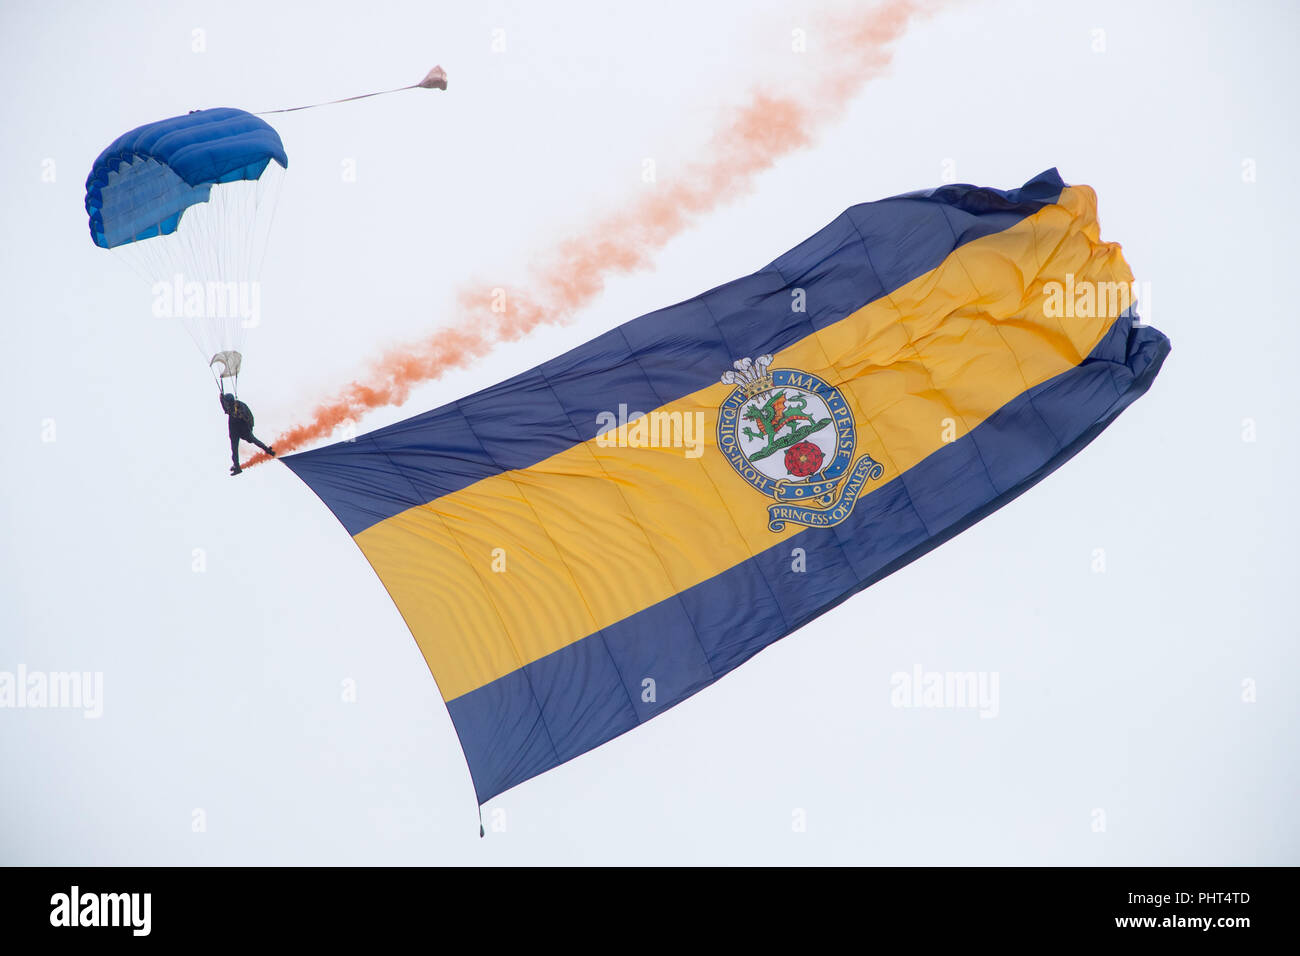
<point>585,545</point>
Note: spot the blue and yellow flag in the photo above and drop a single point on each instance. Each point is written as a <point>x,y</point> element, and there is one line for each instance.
<point>581,547</point>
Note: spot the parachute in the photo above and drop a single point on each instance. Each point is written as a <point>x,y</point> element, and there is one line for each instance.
<point>230,363</point>
<point>188,203</point>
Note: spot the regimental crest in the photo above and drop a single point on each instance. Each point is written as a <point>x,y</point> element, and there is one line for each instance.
<point>791,435</point>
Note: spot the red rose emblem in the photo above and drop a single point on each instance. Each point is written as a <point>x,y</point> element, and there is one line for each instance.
<point>803,459</point>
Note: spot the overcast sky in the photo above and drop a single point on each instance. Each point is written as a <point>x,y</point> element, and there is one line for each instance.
<point>1120,692</point>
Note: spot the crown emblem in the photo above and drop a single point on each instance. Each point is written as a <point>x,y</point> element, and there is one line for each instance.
<point>750,374</point>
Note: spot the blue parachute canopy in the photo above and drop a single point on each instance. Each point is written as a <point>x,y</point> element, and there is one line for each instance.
<point>145,180</point>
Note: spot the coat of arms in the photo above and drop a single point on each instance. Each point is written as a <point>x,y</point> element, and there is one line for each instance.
<point>791,436</point>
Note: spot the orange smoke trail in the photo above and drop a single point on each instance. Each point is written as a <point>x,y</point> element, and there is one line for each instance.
<point>769,127</point>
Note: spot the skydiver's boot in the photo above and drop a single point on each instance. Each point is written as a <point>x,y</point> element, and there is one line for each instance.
<point>270,451</point>
<point>236,470</point>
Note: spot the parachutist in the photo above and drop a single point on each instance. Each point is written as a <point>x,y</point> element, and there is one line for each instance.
<point>241,427</point>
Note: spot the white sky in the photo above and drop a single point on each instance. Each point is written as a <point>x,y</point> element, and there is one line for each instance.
<point>1119,692</point>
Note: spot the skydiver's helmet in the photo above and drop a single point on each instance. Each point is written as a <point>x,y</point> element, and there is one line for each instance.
<point>228,403</point>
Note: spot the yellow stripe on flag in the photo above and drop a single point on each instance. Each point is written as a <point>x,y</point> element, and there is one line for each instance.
<point>592,535</point>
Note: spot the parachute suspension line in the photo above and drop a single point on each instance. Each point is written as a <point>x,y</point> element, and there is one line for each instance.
<point>435,79</point>
<point>221,249</point>
<point>216,243</point>
<point>275,205</point>
<point>145,273</point>
<point>156,268</point>
<point>221,385</point>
